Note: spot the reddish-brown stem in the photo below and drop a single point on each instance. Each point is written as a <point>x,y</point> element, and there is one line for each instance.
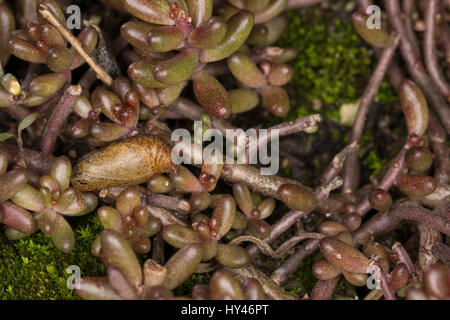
<point>351,176</point>
<point>17,112</point>
<point>88,79</point>
<point>428,238</point>
<point>379,223</point>
<point>58,117</point>
<point>385,221</point>
<point>395,74</point>
<point>382,279</point>
<point>42,109</point>
<point>36,161</point>
<point>431,59</point>
<point>251,176</point>
<point>403,257</point>
<point>330,181</point>
<point>415,65</point>
<point>290,127</point>
<point>323,290</point>
<point>443,34</point>
<point>292,217</point>
<point>192,111</point>
<point>292,263</point>
<point>338,161</point>
<point>280,227</point>
<point>158,249</point>
<point>164,216</point>
<point>442,252</point>
<point>438,139</point>
<point>409,8</point>
<point>168,202</point>
<point>388,180</point>
<point>418,214</point>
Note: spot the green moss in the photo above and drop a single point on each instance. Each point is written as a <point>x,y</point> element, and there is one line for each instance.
<point>374,163</point>
<point>344,290</point>
<point>304,280</point>
<point>332,64</point>
<point>185,290</point>
<point>387,95</point>
<point>32,268</point>
<point>305,277</point>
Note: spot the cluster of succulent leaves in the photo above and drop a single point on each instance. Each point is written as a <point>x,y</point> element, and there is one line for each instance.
<point>43,43</point>
<point>30,202</point>
<point>171,41</point>
<point>174,41</point>
<point>341,257</point>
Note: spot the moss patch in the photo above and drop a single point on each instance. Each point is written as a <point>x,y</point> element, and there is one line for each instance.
<point>331,61</point>
<point>185,289</point>
<point>32,268</point>
<point>333,64</point>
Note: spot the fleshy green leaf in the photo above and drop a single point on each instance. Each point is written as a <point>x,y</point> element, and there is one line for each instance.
<point>5,136</point>
<point>26,122</point>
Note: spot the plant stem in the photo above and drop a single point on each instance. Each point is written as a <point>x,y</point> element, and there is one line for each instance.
<point>58,117</point>
<point>272,289</point>
<point>388,180</point>
<point>290,127</point>
<point>395,74</point>
<point>351,177</point>
<point>385,221</point>
<point>168,202</point>
<point>408,8</point>
<point>428,238</point>
<point>337,163</point>
<point>165,216</point>
<point>323,290</point>
<point>292,263</point>
<point>403,257</point>
<point>415,65</point>
<point>37,162</point>
<point>158,249</point>
<point>431,60</point>
<point>438,140</point>
<point>382,279</point>
<point>442,252</point>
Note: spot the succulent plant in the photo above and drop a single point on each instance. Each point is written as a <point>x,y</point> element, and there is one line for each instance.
<point>110,104</point>
<point>31,203</point>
